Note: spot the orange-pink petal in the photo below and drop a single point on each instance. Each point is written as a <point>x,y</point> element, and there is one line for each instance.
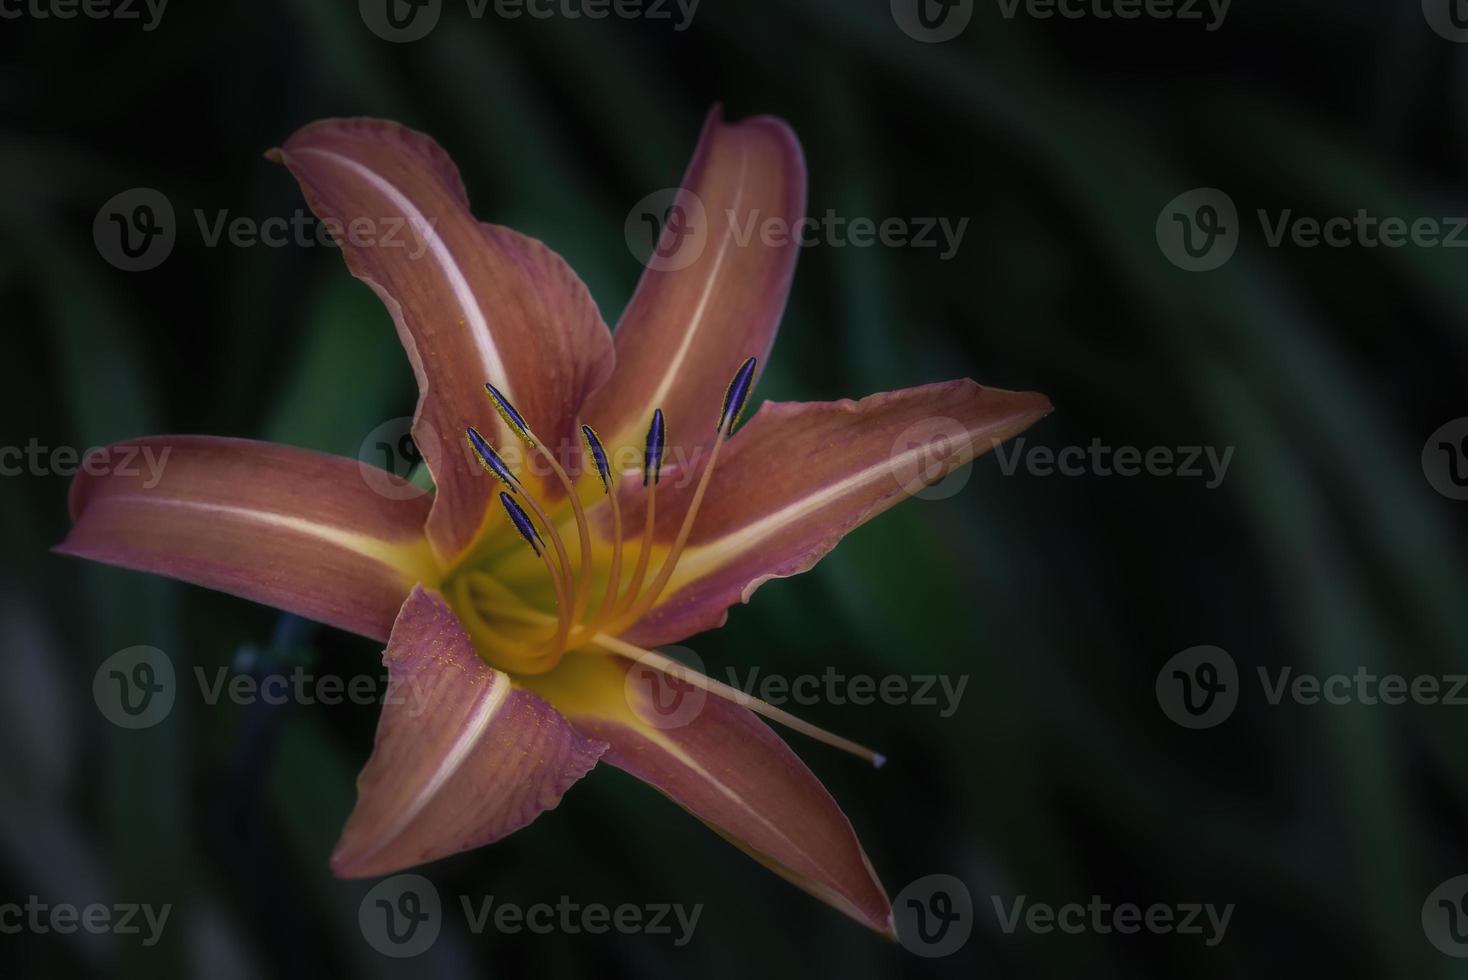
<point>462,757</point>
<point>294,529</point>
<point>473,303</point>
<point>726,767</point>
<point>716,296</point>
<point>800,476</point>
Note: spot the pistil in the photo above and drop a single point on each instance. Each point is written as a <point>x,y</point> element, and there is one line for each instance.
<point>703,682</point>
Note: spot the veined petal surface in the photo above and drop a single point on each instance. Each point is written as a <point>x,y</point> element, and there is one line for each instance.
<point>715,290</point>
<point>462,757</point>
<point>726,767</point>
<point>801,475</point>
<point>473,303</point>
<point>299,530</point>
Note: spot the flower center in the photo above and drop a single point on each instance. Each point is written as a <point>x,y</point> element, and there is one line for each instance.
<point>516,636</point>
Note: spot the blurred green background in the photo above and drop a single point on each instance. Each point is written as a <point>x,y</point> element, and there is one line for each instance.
<point>1059,599</point>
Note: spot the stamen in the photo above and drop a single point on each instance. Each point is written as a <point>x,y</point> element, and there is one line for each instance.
<point>512,418</point>
<point>665,572</point>
<point>734,400</point>
<point>652,455</point>
<point>521,520</point>
<point>598,456</point>
<point>604,470</point>
<point>491,460</point>
<point>736,395</point>
<point>496,465</point>
<point>652,467</point>
<point>681,672</point>
<point>615,612</point>
<point>522,429</point>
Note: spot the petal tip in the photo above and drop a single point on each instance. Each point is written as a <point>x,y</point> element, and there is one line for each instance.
<point>342,867</point>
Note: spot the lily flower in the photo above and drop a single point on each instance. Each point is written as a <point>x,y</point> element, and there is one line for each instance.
<point>594,497</point>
